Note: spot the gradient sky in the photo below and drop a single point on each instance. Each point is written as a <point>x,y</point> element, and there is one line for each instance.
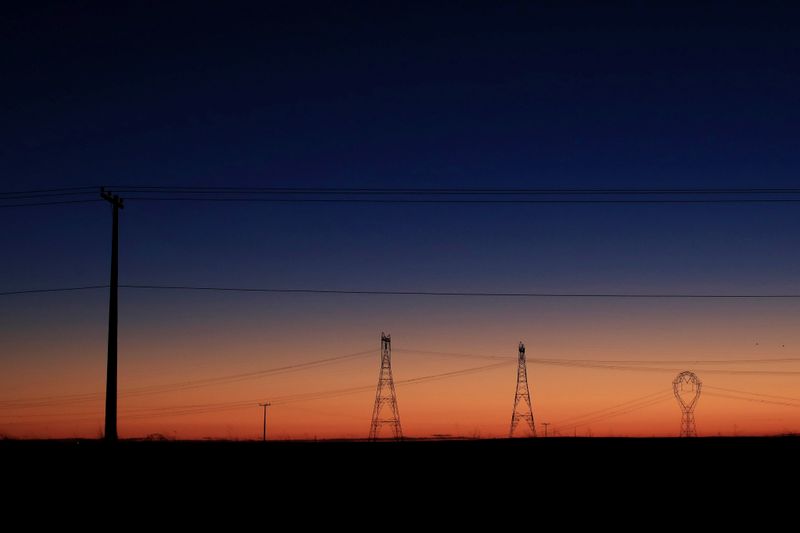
<point>404,96</point>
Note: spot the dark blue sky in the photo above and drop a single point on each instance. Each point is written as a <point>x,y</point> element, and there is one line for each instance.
<point>170,93</point>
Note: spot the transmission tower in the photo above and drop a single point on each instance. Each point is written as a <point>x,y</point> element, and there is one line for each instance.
<point>385,410</point>
<point>523,409</point>
<point>686,387</point>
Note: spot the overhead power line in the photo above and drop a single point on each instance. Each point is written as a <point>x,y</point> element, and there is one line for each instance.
<point>735,391</point>
<point>457,190</point>
<point>68,399</point>
<point>63,190</point>
<point>626,404</point>
<point>470,201</point>
<point>498,361</point>
<point>276,290</point>
<point>413,190</point>
<point>45,195</point>
<point>57,289</point>
<point>377,195</point>
<point>753,400</point>
<point>638,366</point>
<point>59,202</point>
<point>194,409</point>
<point>615,413</point>
<point>611,361</point>
<point>456,293</point>
<point>752,201</point>
<point>474,195</point>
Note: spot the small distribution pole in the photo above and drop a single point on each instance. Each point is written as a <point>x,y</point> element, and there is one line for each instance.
<point>545,424</point>
<point>111,367</point>
<point>265,405</point>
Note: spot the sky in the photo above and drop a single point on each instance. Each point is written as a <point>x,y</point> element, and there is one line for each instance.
<point>397,96</point>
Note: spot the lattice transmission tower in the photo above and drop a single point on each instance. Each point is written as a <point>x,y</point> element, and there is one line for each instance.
<point>385,411</point>
<point>523,409</point>
<point>686,387</point>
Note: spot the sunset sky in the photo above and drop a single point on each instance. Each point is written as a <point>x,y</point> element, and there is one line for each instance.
<point>186,94</point>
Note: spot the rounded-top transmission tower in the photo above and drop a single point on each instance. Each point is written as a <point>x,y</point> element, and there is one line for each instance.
<point>686,387</point>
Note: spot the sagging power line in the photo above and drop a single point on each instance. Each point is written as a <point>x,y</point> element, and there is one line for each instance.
<point>420,196</point>
<point>365,292</point>
<point>181,385</point>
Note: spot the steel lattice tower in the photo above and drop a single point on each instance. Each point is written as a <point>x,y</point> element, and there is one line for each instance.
<point>385,397</point>
<point>523,409</point>
<point>687,381</point>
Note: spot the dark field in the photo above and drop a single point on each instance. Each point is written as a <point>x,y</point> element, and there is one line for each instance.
<point>320,482</point>
<point>486,457</point>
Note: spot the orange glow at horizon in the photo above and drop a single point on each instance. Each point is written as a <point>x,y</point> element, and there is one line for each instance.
<point>470,405</point>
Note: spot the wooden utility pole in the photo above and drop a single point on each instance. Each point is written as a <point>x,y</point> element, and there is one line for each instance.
<point>111,367</point>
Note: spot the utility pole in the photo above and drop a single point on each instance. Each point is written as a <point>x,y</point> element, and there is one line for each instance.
<point>545,424</point>
<point>265,405</point>
<point>111,365</point>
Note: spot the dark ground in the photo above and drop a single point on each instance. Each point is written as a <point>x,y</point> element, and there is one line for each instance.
<point>547,456</point>
<point>636,481</point>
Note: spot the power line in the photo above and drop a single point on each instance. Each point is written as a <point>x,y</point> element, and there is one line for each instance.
<point>453,190</point>
<point>423,191</point>
<point>485,195</point>
<point>403,382</point>
<point>613,365</point>
<point>257,193</point>
<point>611,361</point>
<point>636,368</point>
<point>60,202</point>
<point>754,400</point>
<point>735,391</point>
<point>457,354</point>
<point>478,195</point>
<point>235,378</point>
<point>178,386</point>
<point>308,396</point>
<point>503,360</point>
<point>470,201</point>
<point>626,404</point>
<point>44,195</point>
<point>453,293</point>
<point>690,361</point>
<point>614,414</point>
<point>411,292</point>
<point>87,189</point>
<point>57,289</point>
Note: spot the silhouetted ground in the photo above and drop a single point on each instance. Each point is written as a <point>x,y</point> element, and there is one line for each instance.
<point>547,454</point>
<point>565,483</point>
<point>423,476</point>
